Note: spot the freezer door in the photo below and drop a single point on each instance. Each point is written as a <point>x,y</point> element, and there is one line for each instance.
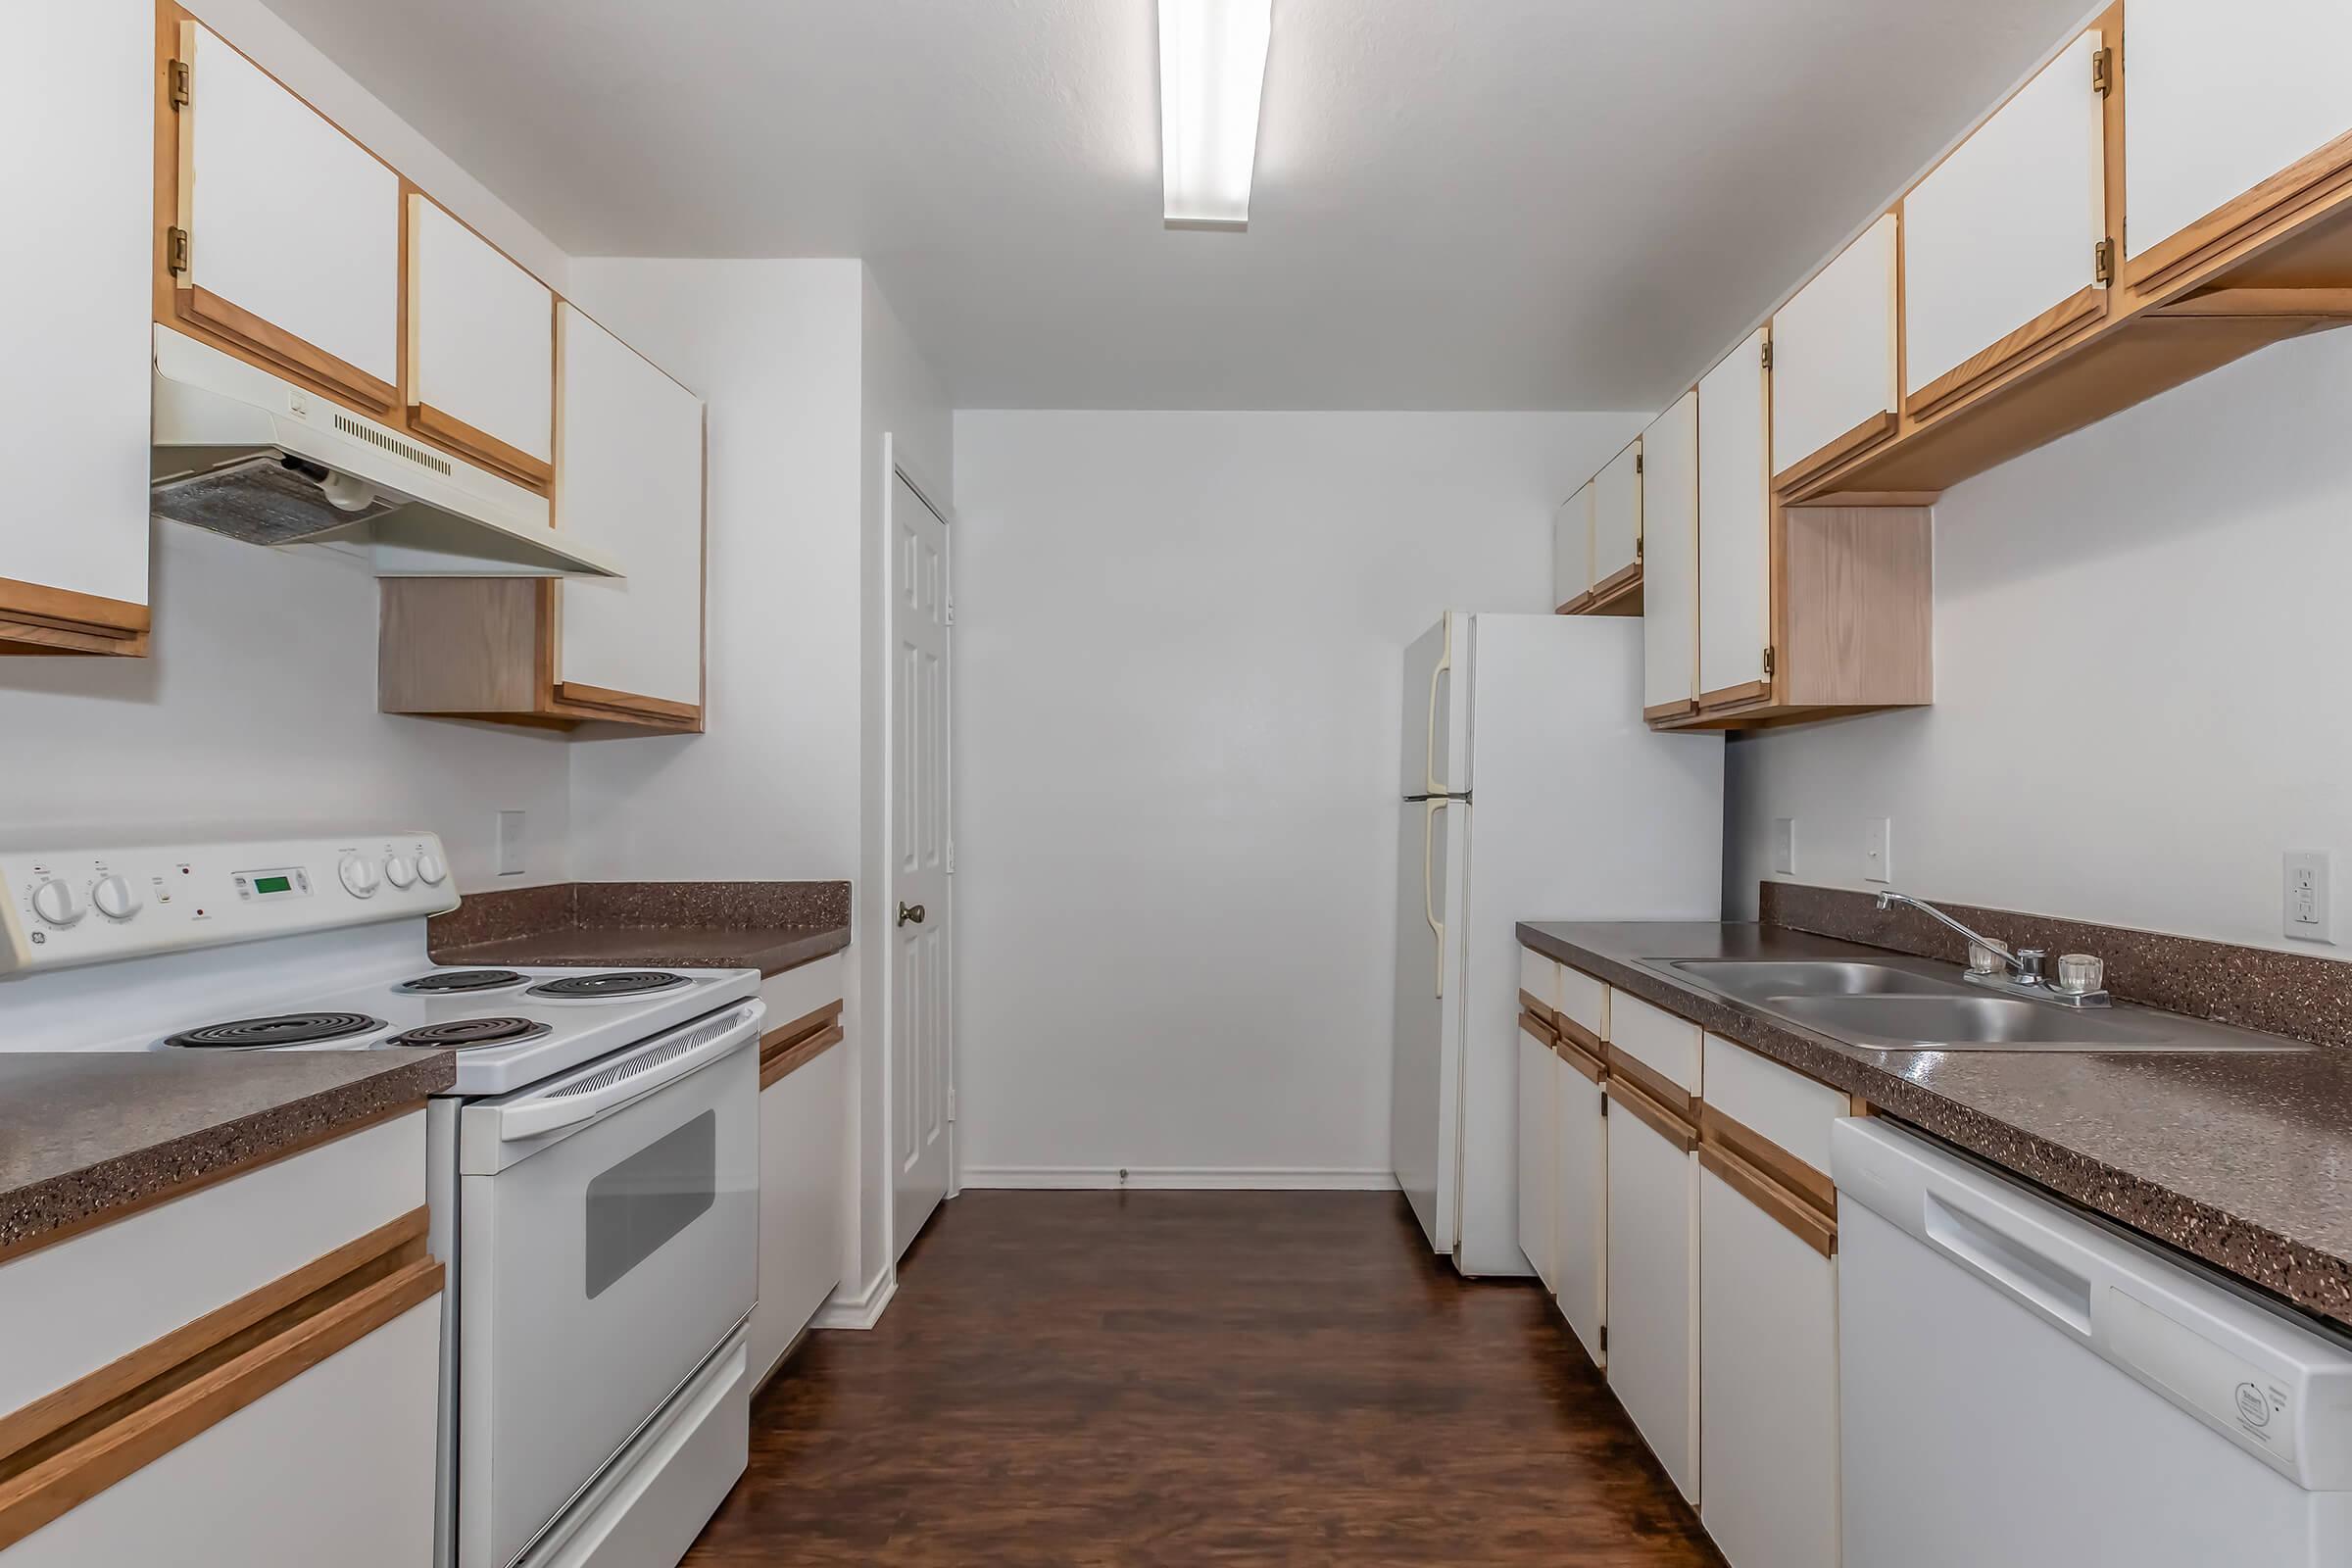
<point>1435,750</point>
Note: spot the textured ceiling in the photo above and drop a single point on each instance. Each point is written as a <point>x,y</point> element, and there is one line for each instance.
<point>1460,204</point>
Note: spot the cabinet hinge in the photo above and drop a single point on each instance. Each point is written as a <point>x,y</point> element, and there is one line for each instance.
<point>1637,542</point>
<point>2102,71</point>
<point>1636,463</point>
<point>1768,354</point>
<point>175,250</point>
<point>181,84</point>
<point>2102,262</point>
<point>1604,1339</point>
<point>1768,661</point>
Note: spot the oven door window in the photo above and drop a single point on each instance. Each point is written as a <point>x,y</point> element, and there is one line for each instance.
<point>649,1198</point>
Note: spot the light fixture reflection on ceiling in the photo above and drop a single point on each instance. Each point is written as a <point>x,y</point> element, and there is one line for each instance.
<point>1212,72</point>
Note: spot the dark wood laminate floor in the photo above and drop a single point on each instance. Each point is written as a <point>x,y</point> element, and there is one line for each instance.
<point>1196,1378</point>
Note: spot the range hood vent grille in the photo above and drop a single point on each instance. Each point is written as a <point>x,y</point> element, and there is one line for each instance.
<point>392,444</point>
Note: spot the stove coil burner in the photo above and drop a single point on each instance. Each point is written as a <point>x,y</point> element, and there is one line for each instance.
<point>461,980</point>
<point>603,987</point>
<point>282,1029</point>
<point>466,1034</point>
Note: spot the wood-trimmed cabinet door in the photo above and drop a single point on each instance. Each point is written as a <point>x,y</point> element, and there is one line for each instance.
<point>1833,361</point>
<point>1539,1140</point>
<point>481,348</point>
<point>1572,550</point>
<point>2004,242</point>
<point>628,481</point>
<point>286,242</point>
<point>1617,525</point>
<point>79,179</point>
<point>1653,1279</point>
<point>1670,561</point>
<point>1735,526</point>
<point>1580,1201</point>
<point>2223,133</point>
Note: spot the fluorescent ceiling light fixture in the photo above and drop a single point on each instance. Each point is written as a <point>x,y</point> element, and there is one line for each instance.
<point>1212,72</point>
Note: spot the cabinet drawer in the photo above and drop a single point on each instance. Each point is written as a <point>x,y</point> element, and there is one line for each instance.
<point>1658,1041</point>
<point>66,1311</point>
<point>1539,984</point>
<point>1584,1003</point>
<point>335,1465</point>
<point>1775,1118</point>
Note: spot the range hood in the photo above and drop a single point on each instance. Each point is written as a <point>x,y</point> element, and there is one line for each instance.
<point>241,452</point>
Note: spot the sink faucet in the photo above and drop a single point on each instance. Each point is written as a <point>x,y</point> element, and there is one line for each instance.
<point>2079,973</point>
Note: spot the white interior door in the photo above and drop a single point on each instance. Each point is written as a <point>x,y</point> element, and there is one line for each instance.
<point>919,1071</point>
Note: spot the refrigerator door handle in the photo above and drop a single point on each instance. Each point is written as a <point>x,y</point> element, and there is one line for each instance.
<point>1429,906</point>
<point>1429,749</point>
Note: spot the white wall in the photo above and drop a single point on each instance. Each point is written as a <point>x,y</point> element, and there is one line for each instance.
<point>1178,658</point>
<point>257,710</point>
<point>2139,658</point>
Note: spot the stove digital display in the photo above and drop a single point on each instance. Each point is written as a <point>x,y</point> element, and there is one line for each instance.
<point>280,882</point>
<point>272,884</point>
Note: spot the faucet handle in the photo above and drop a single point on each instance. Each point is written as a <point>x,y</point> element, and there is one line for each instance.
<point>2079,973</point>
<point>1981,960</point>
<point>2028,964</point>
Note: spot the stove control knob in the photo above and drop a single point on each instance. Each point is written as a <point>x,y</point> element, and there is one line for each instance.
<point>400,871</point>
<point>54,903</point>
<point>429,868</point>
<point>358,876</point>
<point>115,897</point>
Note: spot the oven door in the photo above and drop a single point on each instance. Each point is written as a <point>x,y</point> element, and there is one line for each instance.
<point>608,1240</point>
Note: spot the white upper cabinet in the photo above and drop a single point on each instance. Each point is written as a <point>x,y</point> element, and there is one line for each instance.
<point>73,402</point>
<point>2217,103</point>
<point>1572,547</point>
<point>293,227</point>
<point>1734,523</point>
<point>1617,519</point>
<point>481,347</point>
<point>1832,357</point>
<point>2000,240</point>
<point>628,481</point>
<point>1670,558</point>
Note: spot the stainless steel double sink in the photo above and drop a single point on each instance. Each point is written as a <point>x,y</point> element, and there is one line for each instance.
<point>1913,1004</point>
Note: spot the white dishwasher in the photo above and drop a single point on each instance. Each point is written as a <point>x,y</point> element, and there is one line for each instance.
<point>2022,1387</point>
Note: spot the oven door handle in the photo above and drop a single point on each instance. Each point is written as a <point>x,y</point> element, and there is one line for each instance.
<point>663,1059</point>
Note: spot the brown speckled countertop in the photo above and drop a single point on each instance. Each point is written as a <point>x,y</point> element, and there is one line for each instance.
<point>767,926</point>
<point>2244,1159</point>
<point>85,1133</point>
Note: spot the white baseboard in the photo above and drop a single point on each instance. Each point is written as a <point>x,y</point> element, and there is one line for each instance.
<point>862,1311</point>
<point>1182,1178</point>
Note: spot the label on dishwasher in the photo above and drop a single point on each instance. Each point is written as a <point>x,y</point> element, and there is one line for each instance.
<point>2236,1397</point>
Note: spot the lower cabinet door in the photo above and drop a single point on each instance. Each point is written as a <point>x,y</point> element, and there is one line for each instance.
<point>333,1466</point>
<point>1653,1285</point>
<point>801,1216</point>
<point>1539,1132</point>
<point>1768,1383</point>
<point>1581,1211</point>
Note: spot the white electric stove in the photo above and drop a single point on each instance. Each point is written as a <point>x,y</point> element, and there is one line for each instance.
<point>593,1173</point>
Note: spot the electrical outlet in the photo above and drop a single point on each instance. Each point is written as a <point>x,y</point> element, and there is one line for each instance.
<point>1784,845</point>
<point>1878,851</point>
<point>510,843</point>
<point>2307,901</point>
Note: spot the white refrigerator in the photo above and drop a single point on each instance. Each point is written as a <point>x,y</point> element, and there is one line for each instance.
<point>1532,791</point>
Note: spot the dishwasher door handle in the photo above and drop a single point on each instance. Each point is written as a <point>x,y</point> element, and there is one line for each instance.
<point>2010,1263</point>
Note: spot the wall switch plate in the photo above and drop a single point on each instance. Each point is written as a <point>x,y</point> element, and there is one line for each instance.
<point>510,843</point>
<point>1784,845</point>
<point>2306,895</point>
<point>1877,850</point>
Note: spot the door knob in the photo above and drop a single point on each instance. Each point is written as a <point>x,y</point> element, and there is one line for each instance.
<point>911,912</point>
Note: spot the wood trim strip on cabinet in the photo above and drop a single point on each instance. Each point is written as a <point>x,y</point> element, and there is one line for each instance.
<point>219,1173</point>
<point>1539,1028</point>
<point>1582,1038</point>
<point>1678,1101</point>
<point>65,609</point>
<point>1576,606</point>
<point>1794,1215</point>
<point>1861,438</point>
<point>2316,304</point>
<point>1769,1157</point>
<point>798,1055</point>
<point>1624,580</point>
<point>400,1241</point>
<point>1528,1001</point>
<point>275,343</point>
<point>2308,182</point>
<point>571,694</point>
<point>1682,708</point>
<point>1592,1066</point>
<point>1656,1117</point>
<point>22,637</point>
<point>512,461</point>
<point>44,1482</point>
<point>1732,696</point>
<point>1987,365</point>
